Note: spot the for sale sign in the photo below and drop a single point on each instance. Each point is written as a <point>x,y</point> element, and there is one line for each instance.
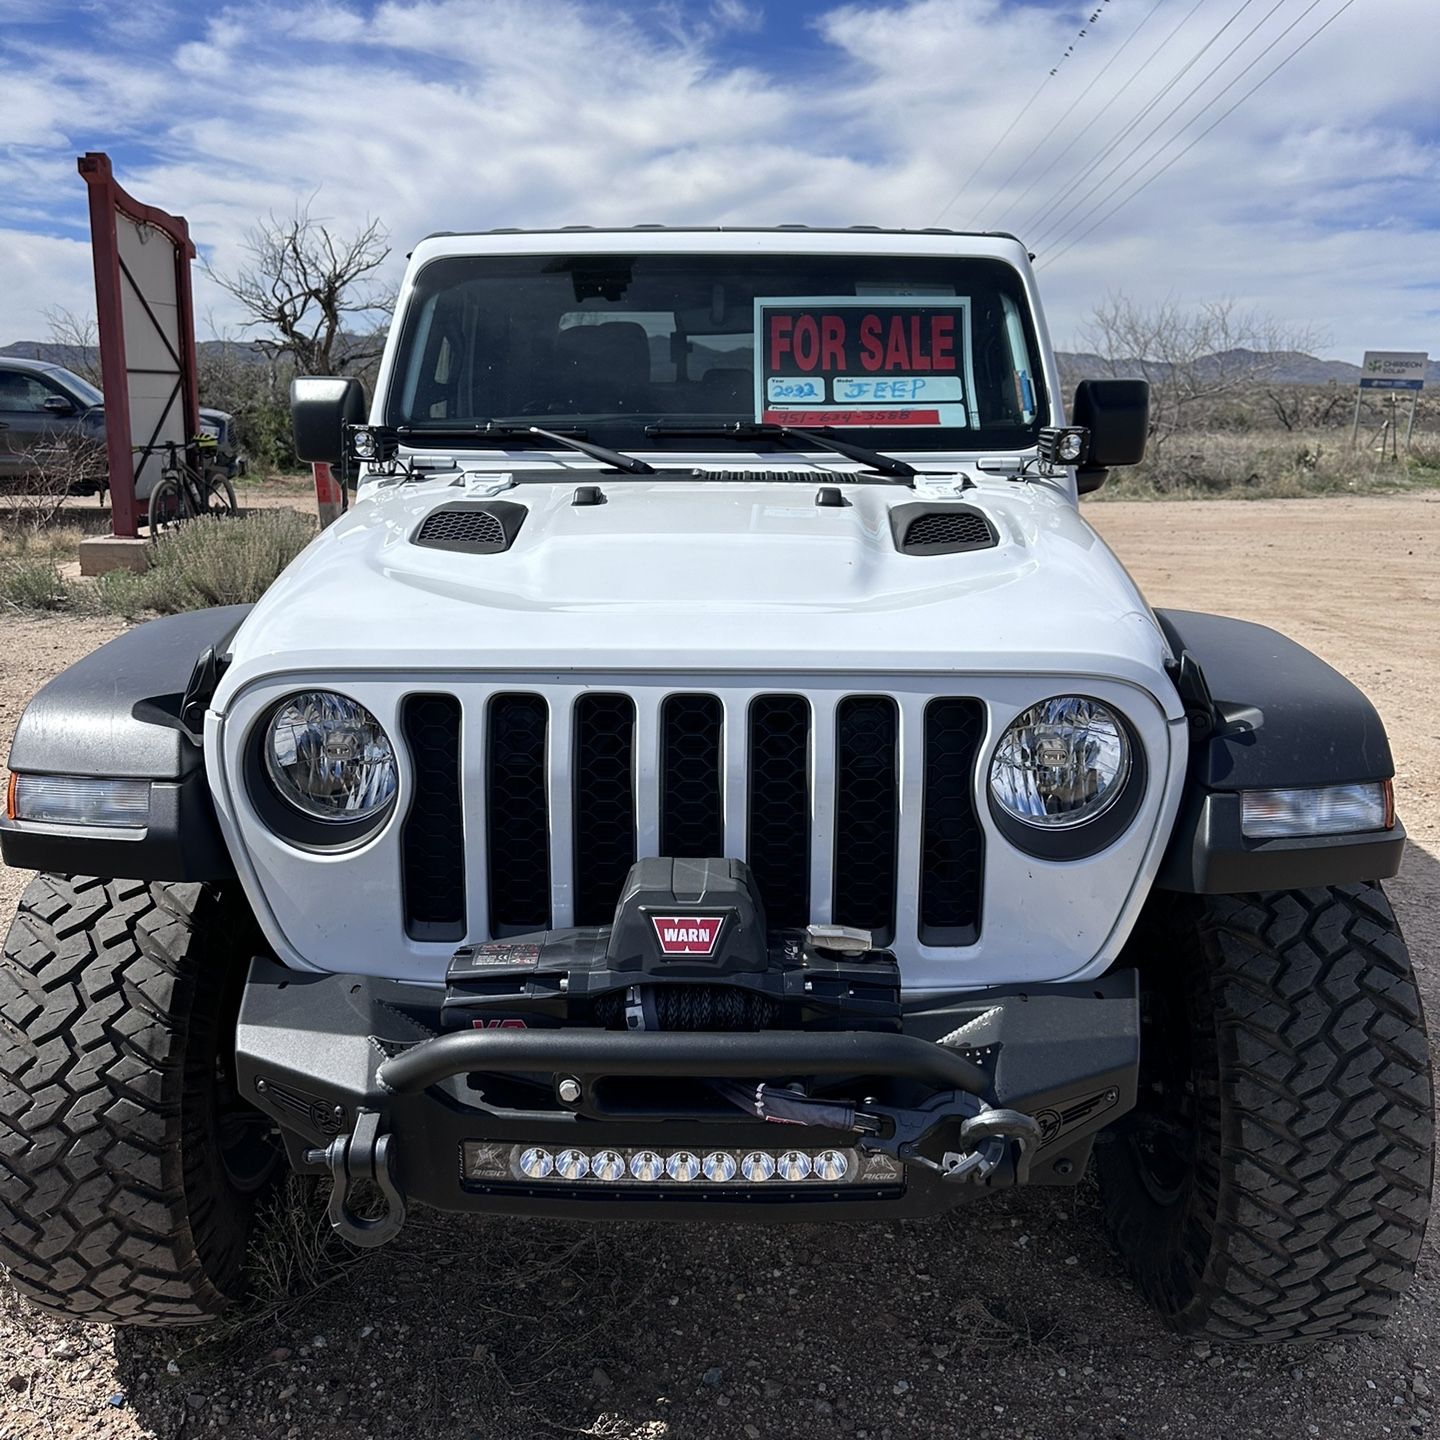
<point>871,360</point>
<point>1394,370</point>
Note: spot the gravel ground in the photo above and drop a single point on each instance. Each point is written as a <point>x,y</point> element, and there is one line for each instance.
<point>1008,1319</point>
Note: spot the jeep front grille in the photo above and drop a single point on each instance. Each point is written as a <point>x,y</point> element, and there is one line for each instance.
<point>779,794</point>
<point>517,812</point>
<point>852,808</point>
<point>433,838</point>
<point>604,803</point>
<point>867,812</point>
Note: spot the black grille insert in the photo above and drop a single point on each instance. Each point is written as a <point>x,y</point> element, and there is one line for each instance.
<point>432,841</point>
<point>951,530</point>
<point>692,812</point>
<point>951,843</point>
<point>779,808</point>
<point>604,804</point>
<point>472,528</point>
<point>867,813</point>
<point>518,816</point>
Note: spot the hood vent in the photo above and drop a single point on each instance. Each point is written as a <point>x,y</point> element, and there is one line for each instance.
<point>471,527</point>
<point>763,477</point>
<point>941,530</point>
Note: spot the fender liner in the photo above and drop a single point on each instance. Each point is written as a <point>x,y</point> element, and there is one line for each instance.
<point>131,710</point>
<point>1267,714</point>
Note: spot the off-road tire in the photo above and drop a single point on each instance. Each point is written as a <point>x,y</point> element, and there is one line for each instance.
<point>115,998</point>
<point>1304,1126</point>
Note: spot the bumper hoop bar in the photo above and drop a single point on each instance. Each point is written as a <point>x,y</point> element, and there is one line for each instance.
<point>701,1054</point>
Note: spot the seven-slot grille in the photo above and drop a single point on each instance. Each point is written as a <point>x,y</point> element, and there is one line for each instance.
<point>813,793</point>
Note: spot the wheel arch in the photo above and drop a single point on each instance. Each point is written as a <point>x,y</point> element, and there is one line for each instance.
<point>1265,713</point>
<point>133,709</point>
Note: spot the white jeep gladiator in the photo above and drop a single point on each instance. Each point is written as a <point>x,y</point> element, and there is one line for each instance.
<point>712,770</point>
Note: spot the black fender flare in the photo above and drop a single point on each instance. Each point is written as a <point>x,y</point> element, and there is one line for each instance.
<point>1266,713</point>
<point>133,709</point>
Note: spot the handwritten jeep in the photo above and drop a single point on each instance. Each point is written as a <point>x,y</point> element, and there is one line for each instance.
<point>713,770</point>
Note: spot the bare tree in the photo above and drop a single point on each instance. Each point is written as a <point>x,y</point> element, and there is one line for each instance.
<point>315,291</point>
<point>51,472</point>
<point>1302,407</point>
<point>77,337</point>
<point>1193,359</point>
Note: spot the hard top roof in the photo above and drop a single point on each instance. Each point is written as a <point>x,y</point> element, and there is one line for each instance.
<point>726,230</point>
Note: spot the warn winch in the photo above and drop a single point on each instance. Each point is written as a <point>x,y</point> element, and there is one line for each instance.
<point>688,950</point>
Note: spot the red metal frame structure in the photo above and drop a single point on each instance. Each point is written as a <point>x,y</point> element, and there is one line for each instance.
<point>113,282</point>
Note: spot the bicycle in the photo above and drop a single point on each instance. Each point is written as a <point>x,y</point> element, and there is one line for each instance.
<point>185,490</point>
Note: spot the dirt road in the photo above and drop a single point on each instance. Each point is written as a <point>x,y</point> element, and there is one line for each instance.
<point>1010,1319</point>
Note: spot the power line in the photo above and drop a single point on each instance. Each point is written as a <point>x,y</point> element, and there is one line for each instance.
<point>1101,112</point>
<point>1060,230</point>
<point>1020,115</point>
<point>1220,119</point>
<point>1063,236</point>
<point>1043,219</point>
<point>998,190</point>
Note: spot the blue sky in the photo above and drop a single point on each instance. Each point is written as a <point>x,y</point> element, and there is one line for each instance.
<point>1317,201</point>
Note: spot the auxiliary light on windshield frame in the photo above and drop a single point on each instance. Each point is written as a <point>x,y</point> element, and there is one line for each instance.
<point>1063,445</point>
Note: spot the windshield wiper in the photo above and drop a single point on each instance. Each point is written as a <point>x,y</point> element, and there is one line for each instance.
<point>500,431</point>
<point>886,465</point>
<point>630,464</point>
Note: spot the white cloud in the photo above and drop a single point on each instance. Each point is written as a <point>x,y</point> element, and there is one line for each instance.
<point>1313,201</point>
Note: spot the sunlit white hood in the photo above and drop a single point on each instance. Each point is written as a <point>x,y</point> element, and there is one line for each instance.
<point>690,576</point>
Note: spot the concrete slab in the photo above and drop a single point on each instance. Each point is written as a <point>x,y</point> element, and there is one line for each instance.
<point>100,554</point>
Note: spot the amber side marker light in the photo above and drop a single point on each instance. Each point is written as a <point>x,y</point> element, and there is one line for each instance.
<point>10,796</point>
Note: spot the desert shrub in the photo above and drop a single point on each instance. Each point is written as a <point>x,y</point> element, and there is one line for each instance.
<point>212,560</point>
<point>223,561</point>
<point>34,584</point>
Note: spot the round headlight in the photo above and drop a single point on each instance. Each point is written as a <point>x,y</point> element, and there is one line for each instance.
<point>1062,763</point>
<point>327,756</point>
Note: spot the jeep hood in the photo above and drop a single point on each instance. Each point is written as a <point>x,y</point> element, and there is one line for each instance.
<point>686,576</point>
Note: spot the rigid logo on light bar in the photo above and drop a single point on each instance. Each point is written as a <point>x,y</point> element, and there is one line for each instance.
<point>687,934</point>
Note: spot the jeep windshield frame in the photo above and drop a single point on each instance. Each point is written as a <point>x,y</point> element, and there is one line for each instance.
<point>635,347</point>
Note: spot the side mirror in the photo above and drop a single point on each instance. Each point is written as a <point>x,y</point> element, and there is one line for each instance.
<point>321,406</point>
<point>1117,415</point>
<point>57,405</point>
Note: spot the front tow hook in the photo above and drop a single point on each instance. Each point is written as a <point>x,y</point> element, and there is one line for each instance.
<point>364,1154</point>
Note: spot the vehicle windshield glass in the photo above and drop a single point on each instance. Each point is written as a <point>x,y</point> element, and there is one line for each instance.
<point>895,352</point>
<point>82,389</point>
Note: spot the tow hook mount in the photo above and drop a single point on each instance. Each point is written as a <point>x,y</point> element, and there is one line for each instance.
<point>364,1154</point>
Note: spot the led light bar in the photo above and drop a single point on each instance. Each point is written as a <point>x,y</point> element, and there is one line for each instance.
<point>74,800</point>
<point>697,1169</point>
<point>1324,810</point>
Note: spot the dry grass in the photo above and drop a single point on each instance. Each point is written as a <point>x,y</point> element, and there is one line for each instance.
<point>1224,465</point>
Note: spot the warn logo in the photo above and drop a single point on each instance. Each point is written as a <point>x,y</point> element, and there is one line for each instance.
<point>687,934</point>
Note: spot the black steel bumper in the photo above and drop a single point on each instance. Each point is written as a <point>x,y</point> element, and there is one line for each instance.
<point>349,1066</point>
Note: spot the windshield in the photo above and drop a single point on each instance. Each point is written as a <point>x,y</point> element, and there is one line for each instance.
<point>897,352</point>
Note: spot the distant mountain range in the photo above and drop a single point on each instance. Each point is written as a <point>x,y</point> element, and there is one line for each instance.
<point>1291,368</point>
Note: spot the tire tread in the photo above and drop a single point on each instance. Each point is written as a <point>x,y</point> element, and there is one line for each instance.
<point>101,991</point>
<point>1311,1191</point>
